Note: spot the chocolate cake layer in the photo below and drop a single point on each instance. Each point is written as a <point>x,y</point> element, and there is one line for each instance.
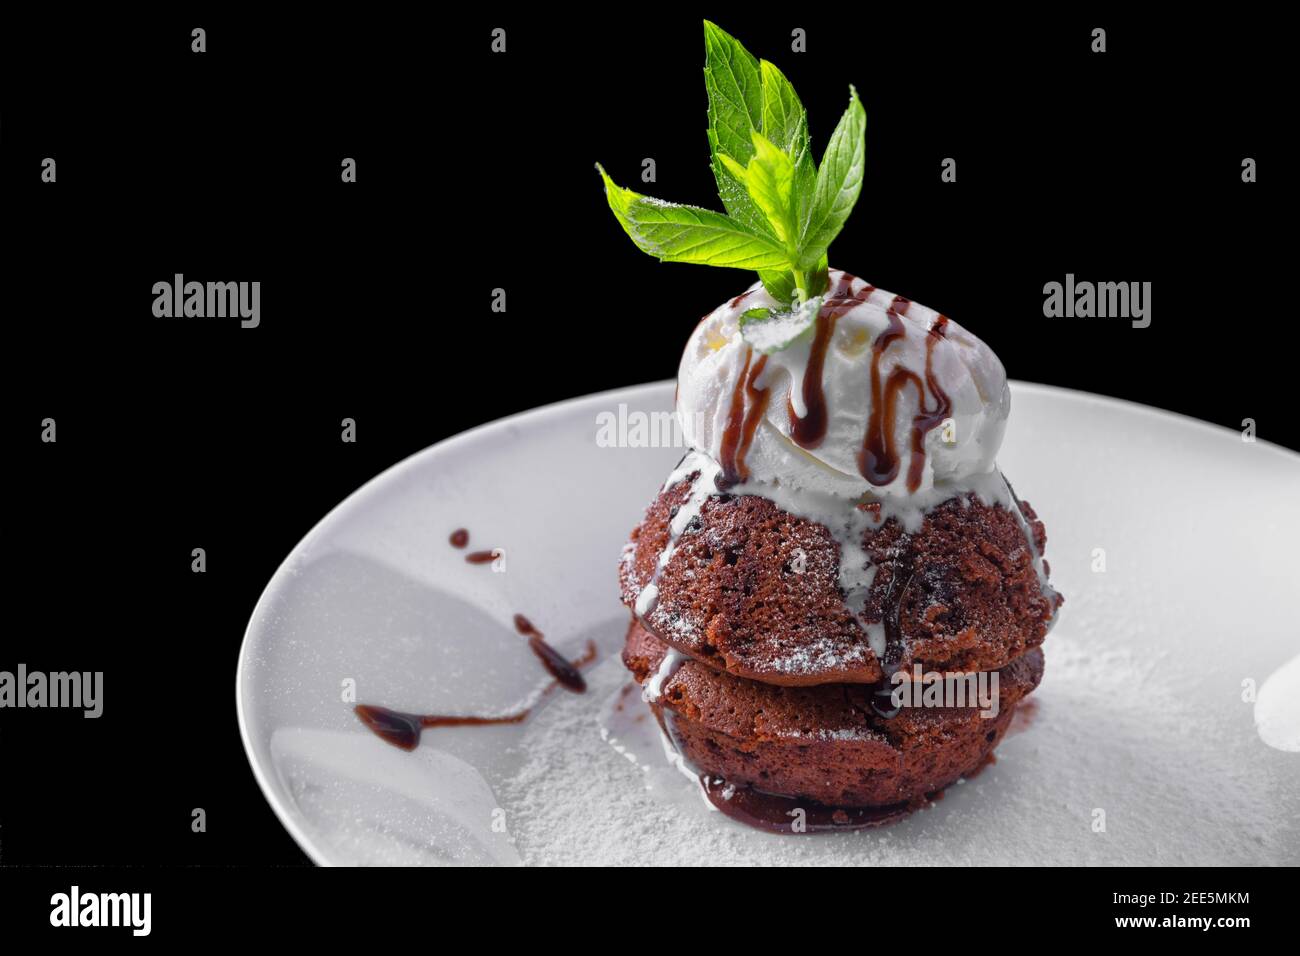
<point>753,590</point>
<point>824,743</point>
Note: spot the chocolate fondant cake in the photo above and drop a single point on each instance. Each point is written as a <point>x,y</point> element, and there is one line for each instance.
<point>837,564</point>
<point>783,604</point>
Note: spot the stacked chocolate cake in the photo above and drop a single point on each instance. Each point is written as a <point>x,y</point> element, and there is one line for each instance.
<point>799,629</point>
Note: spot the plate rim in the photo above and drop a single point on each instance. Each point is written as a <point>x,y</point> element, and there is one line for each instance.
<point>270,791</point>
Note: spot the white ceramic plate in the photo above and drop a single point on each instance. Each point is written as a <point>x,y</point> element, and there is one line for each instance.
<point>1145,743</point>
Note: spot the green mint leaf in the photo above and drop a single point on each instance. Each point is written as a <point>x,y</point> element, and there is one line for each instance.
<point>738,172</point>
<point>819,279</point>
<point>674,233</point>
<point>785,123</point>
<point>734,195</point>
<point>734,84</point>
<point>839,181</point>
<point>782,210</point>
<point>735,88</point>
<point>779,283</point>
<point>770,181</point>
<point>768,331</point>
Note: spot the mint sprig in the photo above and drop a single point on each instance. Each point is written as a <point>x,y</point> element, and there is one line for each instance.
<point>839,181</point>
<point>782,209</point>
<point>675,233</point>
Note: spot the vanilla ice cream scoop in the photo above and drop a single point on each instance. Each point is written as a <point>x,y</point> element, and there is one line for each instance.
<point>881,397</point>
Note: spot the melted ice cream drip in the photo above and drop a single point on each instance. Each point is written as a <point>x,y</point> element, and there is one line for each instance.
<point>848,524</point>
<point>654,687</point>
<point>703,486</point>
<point>1040,568</point>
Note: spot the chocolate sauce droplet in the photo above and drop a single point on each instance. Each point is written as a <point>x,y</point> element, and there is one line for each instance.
<point>459,538</point>
<point>398,728</point>
<point>569,677</point>
<point>403,730</point>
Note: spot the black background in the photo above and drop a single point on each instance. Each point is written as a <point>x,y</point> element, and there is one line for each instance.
<point>476,171</point>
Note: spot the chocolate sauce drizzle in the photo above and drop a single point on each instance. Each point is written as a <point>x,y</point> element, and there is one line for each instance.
<point>569,677</point>
<point>878,459</point>
<point>928,419</point>
<point>810,430</point>
<point>480,557</point>
<point>403,730</point>
<point>748,404</point>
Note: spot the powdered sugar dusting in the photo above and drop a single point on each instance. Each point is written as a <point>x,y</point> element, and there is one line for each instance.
<point>1108,733</point>
<point>819,656</point>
